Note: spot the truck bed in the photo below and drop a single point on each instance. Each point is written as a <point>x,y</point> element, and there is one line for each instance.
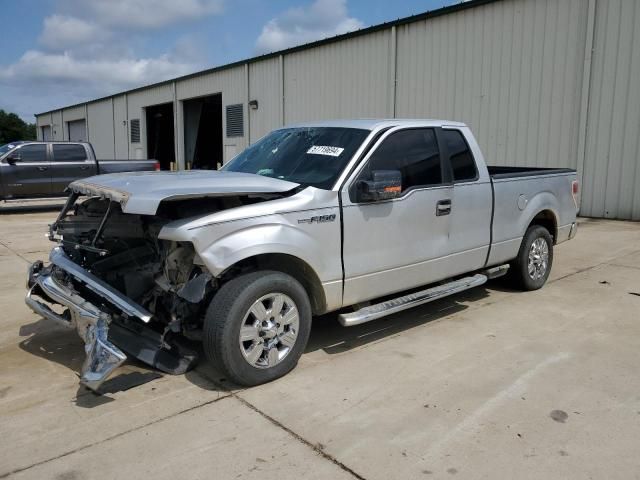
<point>512,172</point>
<point>520,193</point>
<point>126,165</point>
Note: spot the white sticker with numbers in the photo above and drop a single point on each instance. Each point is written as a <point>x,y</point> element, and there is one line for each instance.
<point>325,150</point>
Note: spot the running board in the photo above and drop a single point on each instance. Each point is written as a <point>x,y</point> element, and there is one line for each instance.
<point>379,310</point>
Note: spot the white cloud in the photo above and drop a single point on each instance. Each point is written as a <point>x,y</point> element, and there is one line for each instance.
<point>94,76</point>
<point>141,14</point>
<point>86,50</point>
<point>321,19</point>
<point>61,32</point>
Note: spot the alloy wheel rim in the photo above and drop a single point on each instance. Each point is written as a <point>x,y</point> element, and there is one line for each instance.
<point>269,330</point>
<point>538,260</point>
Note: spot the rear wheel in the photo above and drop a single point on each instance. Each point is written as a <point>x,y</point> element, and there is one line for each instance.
<point>532,266</point>
<point>257,327</point>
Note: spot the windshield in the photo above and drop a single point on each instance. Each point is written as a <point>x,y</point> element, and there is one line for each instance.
<point>5,148</point>
<point>311,156</point>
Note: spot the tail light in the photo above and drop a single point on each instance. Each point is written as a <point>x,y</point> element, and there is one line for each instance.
<point>575,188</point>
<point>156,166</point>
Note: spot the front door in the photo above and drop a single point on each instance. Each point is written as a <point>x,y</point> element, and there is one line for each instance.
<point>70,162</point>
<point>25,171</point>
<point>399,244</point>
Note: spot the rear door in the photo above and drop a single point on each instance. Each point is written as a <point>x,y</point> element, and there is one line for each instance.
<point>29,173</point>
<point>471,203</point>
<point>70,162</point>
<point>398,244</point>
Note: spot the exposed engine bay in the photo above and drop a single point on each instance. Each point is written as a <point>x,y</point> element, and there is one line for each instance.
<point>121,252</point>
<point>124,251</point>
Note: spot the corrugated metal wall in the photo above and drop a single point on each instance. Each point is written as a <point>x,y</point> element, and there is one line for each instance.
<point>611,181</point>
<point>339,80</point>
<point>265,86</point>
<point>42,121</point>
<point>100,128</point>
<point>512,70</point>
<point>541,83</point>
<point>75,113</point>
<point>120,127</point>
<point>57,125</point>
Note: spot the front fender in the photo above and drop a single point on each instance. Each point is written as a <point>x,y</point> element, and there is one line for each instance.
<point>264,239</point>
<point>224,244</point>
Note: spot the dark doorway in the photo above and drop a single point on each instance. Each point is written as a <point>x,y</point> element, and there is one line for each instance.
<point>203,132</point>
<point>160,134</point>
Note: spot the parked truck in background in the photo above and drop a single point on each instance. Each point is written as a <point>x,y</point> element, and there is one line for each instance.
<point>31,169</point>
<point>362,217</point>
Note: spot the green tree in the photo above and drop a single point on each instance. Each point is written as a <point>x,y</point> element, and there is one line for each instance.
<point>13,128</point>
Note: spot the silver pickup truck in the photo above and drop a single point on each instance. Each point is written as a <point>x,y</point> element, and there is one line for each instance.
<point>362,217</point>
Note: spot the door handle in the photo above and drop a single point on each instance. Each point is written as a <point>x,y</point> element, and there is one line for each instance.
<point>42,169</point>
<point>443,207</point>
<point>84,167</point>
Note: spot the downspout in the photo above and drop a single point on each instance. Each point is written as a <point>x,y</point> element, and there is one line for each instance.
<point>393,65</point>
<point>86,120</point>
<point>583,122</point>
<point>246,103</point>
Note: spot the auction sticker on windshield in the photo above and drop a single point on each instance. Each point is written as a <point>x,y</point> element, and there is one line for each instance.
<point>325,150</point>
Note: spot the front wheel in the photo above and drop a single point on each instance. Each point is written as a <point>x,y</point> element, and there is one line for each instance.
<point>530,270</point>
<point>257,327</point>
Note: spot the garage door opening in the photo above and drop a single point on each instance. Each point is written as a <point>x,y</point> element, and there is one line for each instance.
<point>77,130</point>
<point>160,135</point>
<point>203,132</point>
<point>46,133</point>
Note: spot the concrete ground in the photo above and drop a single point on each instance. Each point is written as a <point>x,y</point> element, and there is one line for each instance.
<point>492,383</point>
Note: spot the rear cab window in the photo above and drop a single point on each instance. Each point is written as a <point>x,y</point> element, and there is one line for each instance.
<point>69,153</point>
<point>463,165</point>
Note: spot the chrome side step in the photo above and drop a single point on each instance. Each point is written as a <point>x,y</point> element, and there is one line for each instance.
<point>495,272</point>
<point>379,310</point>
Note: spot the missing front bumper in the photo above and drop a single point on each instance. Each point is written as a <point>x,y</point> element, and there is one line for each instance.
<point>91,323</point>
<point>65,283</point>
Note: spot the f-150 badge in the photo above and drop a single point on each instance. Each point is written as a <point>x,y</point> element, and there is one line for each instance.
<point>318,219</point>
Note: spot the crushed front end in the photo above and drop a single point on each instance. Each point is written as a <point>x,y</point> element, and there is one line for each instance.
<point>123,290</point>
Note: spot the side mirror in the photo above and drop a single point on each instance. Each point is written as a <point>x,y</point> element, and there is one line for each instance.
<point>13,157</point>
<point>384,185</point>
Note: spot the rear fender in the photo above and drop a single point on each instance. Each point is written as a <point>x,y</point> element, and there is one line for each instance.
<point>543,201</point>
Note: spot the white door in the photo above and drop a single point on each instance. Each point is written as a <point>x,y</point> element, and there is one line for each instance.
<point>46,133</point>
<point>77,131</point>
<point>398,244</point>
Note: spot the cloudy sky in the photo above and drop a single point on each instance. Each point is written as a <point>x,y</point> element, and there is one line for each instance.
<point>58,52</point>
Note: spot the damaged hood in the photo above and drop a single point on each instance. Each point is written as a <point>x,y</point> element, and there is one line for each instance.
<point>142,192</point>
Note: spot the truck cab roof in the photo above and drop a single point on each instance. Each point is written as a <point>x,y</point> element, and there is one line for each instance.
<point>377,123</point>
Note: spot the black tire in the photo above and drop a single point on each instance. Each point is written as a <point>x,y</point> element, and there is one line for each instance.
<point>226,314</point>
<point>519,271</point>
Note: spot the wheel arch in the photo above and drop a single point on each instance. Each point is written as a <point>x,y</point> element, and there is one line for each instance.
<point>547,219</point>
<point>285,263</point>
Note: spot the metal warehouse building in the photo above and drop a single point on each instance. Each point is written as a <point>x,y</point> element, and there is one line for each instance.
<point>541,83</point>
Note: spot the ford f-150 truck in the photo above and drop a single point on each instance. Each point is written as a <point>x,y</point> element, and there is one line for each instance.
<point>362,217</point>
<point>30,169</point>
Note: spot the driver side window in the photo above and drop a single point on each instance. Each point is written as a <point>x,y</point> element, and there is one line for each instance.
<point>414,153</point>
<point>32,153</point>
